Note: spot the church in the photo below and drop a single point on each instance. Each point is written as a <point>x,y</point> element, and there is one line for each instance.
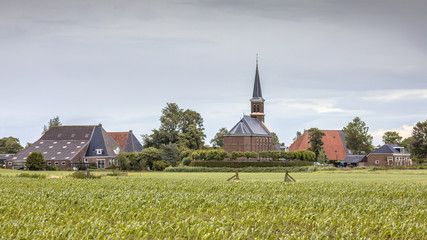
<point>251,134</point>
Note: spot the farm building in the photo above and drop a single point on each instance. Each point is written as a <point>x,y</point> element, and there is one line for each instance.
<point>4,157</point>
<point>389,155</point>
<point>334,144</point>
<point>355,160</point>
<point>127,141</point>
<point>251,133</point>
<point>72,146</point>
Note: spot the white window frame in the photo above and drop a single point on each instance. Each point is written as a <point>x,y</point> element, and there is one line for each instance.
<point>98,151</point>
<point>377,162</point>
<point>63,163</point>
<point>9,163</point>
<point>49,163</point>
<point>100,160</point>
<point>56,163</point>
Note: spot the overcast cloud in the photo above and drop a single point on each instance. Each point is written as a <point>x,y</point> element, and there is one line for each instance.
<point>322,63</point>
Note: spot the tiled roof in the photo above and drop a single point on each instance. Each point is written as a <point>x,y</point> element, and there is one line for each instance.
<point>333,144</point>
<point>102,140</point>
<point>127,141</point>
<point>249,126</point>
<point>120,137</point>
<point>354,158</point>
<point>390,148</point>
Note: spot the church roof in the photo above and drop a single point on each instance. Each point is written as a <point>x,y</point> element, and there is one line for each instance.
<point>257,94</point>
<point>334,144</point>
<point>249,126</point>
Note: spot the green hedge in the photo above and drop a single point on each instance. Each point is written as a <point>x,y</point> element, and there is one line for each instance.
<point>245,169</point>
<point>234,164</point>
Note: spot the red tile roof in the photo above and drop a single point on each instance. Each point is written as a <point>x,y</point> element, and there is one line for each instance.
<point>333,144</point>
<point>120,137</point>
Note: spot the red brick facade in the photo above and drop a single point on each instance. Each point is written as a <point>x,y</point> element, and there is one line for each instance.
<point>248,143</point>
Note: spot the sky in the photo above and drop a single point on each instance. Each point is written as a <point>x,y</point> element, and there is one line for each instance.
<point>118,62</point>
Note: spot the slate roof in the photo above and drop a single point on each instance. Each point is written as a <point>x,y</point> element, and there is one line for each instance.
<point>355,158</point>
<point>102,140</point>
<point>333,143</point>
<point>249,126</point>
<point>390,149</point>
<point>127,141</point>
<point>257,94</point>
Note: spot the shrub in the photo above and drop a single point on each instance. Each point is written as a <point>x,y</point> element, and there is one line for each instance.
<point>83,175</point>
<point>92,165</point>
<point>199,155</point>
<point>185,153</point>
<point>70,169</point>
<point>1,165</point>
<point>170,153</point>
<point>35,161</point>
<point>186,161</point>
<point>237,154</point>
<point>159,165</point>
<point>251,155</point>
<point>28,175</point>
<point>245,169</point>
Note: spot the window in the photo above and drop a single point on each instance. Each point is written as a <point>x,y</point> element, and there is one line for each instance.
<point>63,162</point>
<point>86,135</point>
<point>37,146</point>
<point>73,135</point>
<point>49,163</point>
<point>408,158</point>
<point>60,134</point>
<point>98,151</point>
<point>85,160</point>
<point>50,146</point>
<point>55,142</point>
<point>59,153</point>
<point>390,160</point>
<point>101,163</point>
<point>56,163</point>
<point>68,142</point>
<point>377,161</point>
<point>9,163</point>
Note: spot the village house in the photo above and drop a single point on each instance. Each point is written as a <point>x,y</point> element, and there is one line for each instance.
<point>389,155</point>
<point>74,146</point>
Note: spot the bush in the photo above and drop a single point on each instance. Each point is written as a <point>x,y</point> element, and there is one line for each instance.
<point>116,174</point>
<point>84,175</point>
<point>28,175</point>
<point>186,161</point>
<point>185,153</point>
<point>234,164</point>
<point>159,165</point>
<point>92,165</point>
<point>237,154</point>
<point>1,165</point>
<point>52,168</point>
<point>35,161</point>
<point>70,169</point>
<point>251,155</point>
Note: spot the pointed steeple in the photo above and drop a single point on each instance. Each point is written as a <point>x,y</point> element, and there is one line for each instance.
<point>257,94</point>
<point>257,102</point>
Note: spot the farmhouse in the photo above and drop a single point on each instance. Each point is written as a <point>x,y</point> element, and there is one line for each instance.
<point>389,155</point>
<point>72,146</point>
<point>334,144</point>
<point>251,133</point>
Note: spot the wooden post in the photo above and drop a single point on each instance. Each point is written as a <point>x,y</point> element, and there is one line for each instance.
<point>288,178</point>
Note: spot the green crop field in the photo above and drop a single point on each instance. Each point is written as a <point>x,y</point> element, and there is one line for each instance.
<point>338,204</point>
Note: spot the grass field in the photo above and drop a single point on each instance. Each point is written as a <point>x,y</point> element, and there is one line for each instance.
<point>338,204</point>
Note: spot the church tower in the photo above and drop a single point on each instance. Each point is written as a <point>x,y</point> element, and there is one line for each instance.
<point>257,102</point>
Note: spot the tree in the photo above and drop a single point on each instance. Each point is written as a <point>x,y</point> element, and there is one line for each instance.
<point>10,145</point>
<point>218,140</point>
<point>35,161</point>
<point>54,122</point>
<point>419,141</point>
<point>275,139</point>
<point>406,143</point>
<point>183,127</point>
<point>392,137</point>
<point>151,155</point>
<point>170,153</point>
<point>315,140</point>
<point>297,136</point>
<point>359,141</point>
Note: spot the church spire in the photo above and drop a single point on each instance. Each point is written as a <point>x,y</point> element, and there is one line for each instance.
<point>257,94</point>
<point>257,102</point>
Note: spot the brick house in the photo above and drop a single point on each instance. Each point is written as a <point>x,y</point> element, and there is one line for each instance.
<point>389,155</point>
<point>72,146</point>
<point>251,133</point>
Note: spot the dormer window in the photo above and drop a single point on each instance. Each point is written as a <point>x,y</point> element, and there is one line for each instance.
<point>98,151</point>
